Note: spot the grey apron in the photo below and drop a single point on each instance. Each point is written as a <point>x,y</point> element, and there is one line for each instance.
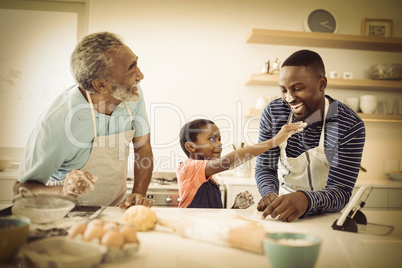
<point>309,171</point>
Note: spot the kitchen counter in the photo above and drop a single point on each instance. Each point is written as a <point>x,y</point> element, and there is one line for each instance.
<point>162,248</point>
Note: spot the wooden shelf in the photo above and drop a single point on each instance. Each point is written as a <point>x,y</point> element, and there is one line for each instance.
<point>356,84</point>
<point>327,40</point>
<point>383,118</point>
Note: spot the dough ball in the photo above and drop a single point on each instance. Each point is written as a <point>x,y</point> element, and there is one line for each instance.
<point>142,217</point>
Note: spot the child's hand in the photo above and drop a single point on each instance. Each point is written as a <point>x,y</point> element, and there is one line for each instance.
<point>243,200</point>
<point>287,131</point>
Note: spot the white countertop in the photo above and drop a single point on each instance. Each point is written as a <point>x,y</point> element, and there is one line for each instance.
<point>162,248</point>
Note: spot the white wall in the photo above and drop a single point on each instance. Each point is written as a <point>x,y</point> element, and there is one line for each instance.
<point>195,58</point>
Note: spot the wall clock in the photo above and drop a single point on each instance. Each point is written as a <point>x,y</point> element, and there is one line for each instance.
<point>321,20</point>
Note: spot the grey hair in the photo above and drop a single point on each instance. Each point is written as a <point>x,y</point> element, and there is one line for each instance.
<point>90,60</point>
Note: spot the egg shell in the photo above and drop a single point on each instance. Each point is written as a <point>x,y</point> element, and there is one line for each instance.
<point>93,232</point>
<point>97,222</point>
<point>77,229</point>
<point>110,226</point>
<point>112,239</point>
<point>129,233</point>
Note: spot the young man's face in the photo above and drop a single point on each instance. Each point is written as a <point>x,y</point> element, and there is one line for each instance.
<point>303,90</point>
<point>208,145</point>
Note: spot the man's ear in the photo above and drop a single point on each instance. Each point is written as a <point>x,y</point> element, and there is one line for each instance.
<point>323,83</point>
<point>190,146</point>
<point>100,85</point>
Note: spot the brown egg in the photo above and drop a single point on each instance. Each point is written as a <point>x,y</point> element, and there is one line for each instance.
<point>111,226</point>
<point>129,233</point>
<point>93,232</point>
<point>97,222</point>
<point>112,239</point>
<point>77,229</point>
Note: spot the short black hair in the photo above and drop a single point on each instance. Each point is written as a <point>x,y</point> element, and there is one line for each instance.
<point>307,58</point>
<point>190,131</point>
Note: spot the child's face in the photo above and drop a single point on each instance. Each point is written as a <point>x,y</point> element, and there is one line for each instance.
<point>208,145</point>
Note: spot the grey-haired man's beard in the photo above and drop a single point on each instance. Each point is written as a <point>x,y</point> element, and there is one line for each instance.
<point>121,93</point>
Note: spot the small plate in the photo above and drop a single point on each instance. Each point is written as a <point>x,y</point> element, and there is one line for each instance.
<point>396,176</point>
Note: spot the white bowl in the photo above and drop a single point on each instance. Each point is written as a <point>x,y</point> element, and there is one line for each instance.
<point>353,103</point>
<point>368,104</point>
<point>5,162</point>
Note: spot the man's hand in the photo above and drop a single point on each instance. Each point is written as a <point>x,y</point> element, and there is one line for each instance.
<point>136,199</point>
<point>288,207</point>
<point>78,182</point>
<point>243,200</point>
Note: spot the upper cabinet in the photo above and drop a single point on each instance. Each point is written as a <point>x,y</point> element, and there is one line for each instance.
<point>327,40</point>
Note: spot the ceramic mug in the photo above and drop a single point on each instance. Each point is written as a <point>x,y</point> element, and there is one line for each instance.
<point>353,103</point>
<point>334,74</point>
<point>347,75</point>
<point>368,104</point>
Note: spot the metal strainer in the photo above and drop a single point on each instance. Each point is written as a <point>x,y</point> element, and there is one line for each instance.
<point>42,207</point>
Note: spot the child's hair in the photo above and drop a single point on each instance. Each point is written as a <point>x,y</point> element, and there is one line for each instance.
<point>190,131</point>
<point>307,58</point>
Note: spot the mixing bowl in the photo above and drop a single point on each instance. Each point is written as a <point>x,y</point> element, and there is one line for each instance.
<point>291,249</point>
<point>13,234</point>
<point>42,208</point>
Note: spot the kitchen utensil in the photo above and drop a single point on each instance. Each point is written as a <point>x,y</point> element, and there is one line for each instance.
<point>13,234</point>
<point>291,249</point>
<point>386,71</point>
<point>347,75</point>
<point>334,75</point>
<point>42,207</point>
<point>233,231</point>
<point>63,252</point>
<point>5,162</point>
<point>368,104</point>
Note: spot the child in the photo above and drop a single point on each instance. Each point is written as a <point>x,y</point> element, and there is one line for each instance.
<point>201,141</point>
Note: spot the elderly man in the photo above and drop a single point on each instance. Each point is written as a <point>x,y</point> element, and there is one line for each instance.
<point>80,144</point>
<point>315,170</point>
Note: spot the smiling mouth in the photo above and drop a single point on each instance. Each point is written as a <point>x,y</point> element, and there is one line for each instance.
<point>296,108</point>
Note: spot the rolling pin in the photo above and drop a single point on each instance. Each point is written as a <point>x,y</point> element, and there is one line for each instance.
<point>226,230</point>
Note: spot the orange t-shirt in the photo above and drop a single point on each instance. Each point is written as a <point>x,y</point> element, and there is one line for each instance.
<point>190,177</point>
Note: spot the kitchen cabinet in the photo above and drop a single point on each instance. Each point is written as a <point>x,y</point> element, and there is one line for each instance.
<point>328,40</point>
<point>386,194</point>
<point>7,179</point>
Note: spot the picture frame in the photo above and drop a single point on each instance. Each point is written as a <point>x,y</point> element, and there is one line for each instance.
<point>377,27</point>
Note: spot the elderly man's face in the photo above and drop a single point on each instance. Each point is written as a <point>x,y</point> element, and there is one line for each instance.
<point>125,75</point>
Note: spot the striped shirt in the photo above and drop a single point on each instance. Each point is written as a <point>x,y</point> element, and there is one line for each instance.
<point>344,141</point>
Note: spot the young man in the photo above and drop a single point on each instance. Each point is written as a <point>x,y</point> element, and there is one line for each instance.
<point>316,169</point>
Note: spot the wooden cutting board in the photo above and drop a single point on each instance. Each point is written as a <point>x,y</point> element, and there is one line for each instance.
<point>226,230</point>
